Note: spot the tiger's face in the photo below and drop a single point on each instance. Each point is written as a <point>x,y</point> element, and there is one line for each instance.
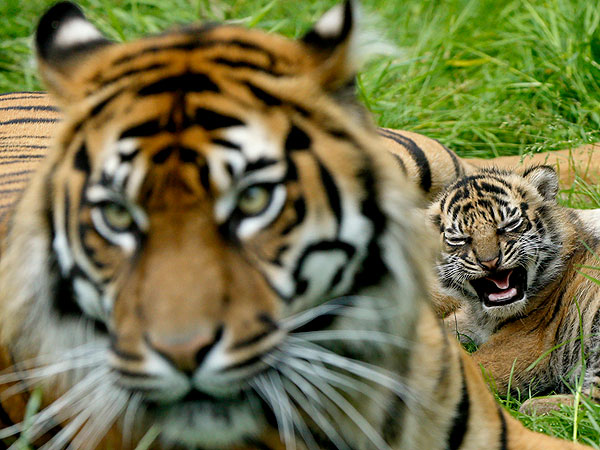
<point>501,238</point>
<point>229,226</point>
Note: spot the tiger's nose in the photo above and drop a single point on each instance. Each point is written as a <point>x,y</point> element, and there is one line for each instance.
<point>490,263</point>
<point>186,353</point>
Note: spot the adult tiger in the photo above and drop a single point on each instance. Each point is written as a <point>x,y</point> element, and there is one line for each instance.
<point>514,259</point>
<point>215,250</point>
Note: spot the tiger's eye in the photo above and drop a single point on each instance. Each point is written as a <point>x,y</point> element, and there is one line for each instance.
<point>254,200</point>
<point>117,216</point>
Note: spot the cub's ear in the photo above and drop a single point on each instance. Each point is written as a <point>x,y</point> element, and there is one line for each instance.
<point>544,179</point>
<point>330,40</point>
<point>63,39</point>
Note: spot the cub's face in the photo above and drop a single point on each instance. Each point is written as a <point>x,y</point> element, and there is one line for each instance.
<point>210,196</point>
<point>501,238</point>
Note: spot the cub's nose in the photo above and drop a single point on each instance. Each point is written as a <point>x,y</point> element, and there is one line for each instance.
<point>491,263</point>
<point>186,352</point>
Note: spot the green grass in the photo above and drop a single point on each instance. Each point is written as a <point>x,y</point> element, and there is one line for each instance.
<point>485,77</point>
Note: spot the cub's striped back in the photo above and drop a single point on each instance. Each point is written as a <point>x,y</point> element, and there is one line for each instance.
<point>27,122</point>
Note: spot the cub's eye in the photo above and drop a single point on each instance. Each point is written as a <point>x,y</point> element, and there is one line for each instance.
<point>116,216</point>
<point>254,200</point>
<point>456,241</point>
<point>511,226</point>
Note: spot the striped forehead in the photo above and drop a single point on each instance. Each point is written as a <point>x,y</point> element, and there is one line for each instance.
<point>481,199</point>
<point>250,151</point>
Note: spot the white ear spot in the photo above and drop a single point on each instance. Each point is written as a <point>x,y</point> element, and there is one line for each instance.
<point>330,25</point>
<point>76,31</point>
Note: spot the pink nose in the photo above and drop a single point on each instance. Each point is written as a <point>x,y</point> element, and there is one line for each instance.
<point>490,264</point>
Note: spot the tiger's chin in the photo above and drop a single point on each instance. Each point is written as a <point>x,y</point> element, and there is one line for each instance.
<point>198,422</point>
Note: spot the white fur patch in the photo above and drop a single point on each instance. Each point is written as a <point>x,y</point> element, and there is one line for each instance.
<point>76,31</point>
<point>88,298</point>
<point>330,25</point>
<point>591,218</point>
<point>61,247</point>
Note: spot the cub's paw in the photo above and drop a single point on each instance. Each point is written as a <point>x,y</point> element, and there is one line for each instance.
<point>539,406</point>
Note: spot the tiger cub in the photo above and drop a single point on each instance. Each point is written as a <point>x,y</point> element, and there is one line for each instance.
<point>216,254</point>
<point>518,262</point>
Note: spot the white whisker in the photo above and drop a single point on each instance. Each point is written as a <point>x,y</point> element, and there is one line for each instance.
<point>59,409</point>
<point>130,417</point>
<point>100,424</point>
<point>351,412</point>
<point>376,374</point>
<point>48,372</point>
<point>303,390</point>
<point>261,386</point>
<point>355,335</point>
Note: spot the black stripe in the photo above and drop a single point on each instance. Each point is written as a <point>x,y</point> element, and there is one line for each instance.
<point>149,128</point>
<point>459,424</point>
<point>189,45</point>
<point>163,154</point>
<point>28,108</point>
<point>252,340</point>
<point>332,192</point>
<point>226,144</point>
<point>28,120</point>
<point>100,106</point>
<point>5,419</point>
<point>17,146</point>
<point>19,158</point>
<point>81,161</point>
<point>195,43</point>
<point>188,82</point>
<point>263,96</point>
<point>503,430</point>
<point>487,187</point>
<point>16,174</point>
<point>261,163</point>
<point>458,169</point>
<point>297,139</point>
<point>400,163</point>
<point>211,120</point>
<point>104,81</point>
<point>30,94</point>
<point>417,155</point>
<point>10,191</point>
<point>23,136</point>
<point>241,65</point>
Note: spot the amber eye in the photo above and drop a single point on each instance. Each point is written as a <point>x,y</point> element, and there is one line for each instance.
<point>117,216</point>
<point>254,200</point>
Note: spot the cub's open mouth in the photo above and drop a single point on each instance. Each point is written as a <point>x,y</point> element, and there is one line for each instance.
<point>501,288</point>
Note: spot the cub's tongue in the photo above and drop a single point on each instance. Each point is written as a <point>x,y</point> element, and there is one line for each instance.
<point>503,295</point>
<point>501,280</point>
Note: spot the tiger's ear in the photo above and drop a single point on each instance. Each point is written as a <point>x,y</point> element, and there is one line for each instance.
<point>330,40</point>
<point>64,39</point>
<point>544,179</point>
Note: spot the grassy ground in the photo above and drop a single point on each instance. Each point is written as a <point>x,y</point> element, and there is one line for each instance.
<point>485,77</point>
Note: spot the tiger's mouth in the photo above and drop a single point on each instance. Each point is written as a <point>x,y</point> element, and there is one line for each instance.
<point>502,287</point>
